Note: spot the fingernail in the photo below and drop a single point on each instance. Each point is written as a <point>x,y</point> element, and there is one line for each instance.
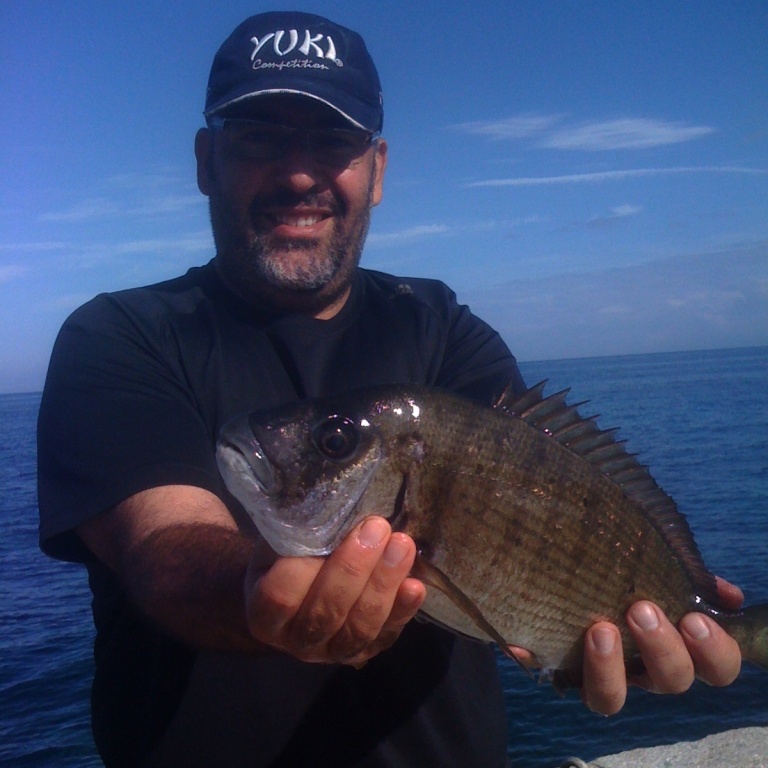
<point>696,626</point>
<point>645,616</point>
<point>395,552</point>
<point>604,641</point>
<point>373,532</point>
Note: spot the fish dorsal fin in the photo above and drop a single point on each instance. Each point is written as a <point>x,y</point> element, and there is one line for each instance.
<point>563,423</point>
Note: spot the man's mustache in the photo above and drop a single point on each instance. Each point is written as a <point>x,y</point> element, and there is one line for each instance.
<point>288,199</point>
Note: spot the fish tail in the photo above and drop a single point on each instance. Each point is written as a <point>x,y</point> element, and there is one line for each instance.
<point>749,628</point>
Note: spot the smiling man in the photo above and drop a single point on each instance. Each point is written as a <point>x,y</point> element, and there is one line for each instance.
<point>291,196</point>
<point>211,650</point>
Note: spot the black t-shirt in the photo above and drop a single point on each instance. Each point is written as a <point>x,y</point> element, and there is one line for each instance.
<point>140,383</point>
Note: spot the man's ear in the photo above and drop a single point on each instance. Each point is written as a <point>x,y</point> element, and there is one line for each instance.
<point>204,156</point>
<point>380,160</point>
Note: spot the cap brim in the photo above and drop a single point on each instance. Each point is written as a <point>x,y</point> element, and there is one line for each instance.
<point>241,100</point>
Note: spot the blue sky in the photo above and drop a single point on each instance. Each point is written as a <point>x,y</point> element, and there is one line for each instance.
<point>591,177</point>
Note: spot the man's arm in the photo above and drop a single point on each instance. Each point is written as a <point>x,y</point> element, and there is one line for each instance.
<point>182,560</point>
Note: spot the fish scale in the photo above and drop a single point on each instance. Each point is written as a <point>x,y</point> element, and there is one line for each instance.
<point>549,483</point>
<point>531,522</point>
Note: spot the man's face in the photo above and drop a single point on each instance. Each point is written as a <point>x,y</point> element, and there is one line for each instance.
<point>289,231</point>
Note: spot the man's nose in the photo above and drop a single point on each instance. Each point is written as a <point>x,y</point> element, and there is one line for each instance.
<point>298,170</point>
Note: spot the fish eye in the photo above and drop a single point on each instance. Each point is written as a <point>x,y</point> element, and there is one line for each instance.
<point>336,437</point>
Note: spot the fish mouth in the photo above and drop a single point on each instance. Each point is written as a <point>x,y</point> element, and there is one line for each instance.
<point>247,460</point>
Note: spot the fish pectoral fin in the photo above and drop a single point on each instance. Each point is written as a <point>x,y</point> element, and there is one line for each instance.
<point>432,576</point>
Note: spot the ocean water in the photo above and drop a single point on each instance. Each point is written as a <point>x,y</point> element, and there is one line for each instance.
<point>698,419</point>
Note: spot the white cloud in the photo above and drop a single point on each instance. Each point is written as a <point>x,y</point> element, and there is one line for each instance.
<point>103,208</point>
<point>615,309</point>
<point>11,272</point>
<point>120,253</point>
<point>404,235</point>
<point>52,245</point>
<point>519,127</point>
<point>627,133</point>
<point>594,136</point>
<point>579,178</point>
<point>421,231</point>
<point>622,211</point>
<point>142,181</point>
<point>164,204</point>
<point>683,302</point>
<point>199,242</point>
<point>94,208</point>
<point>147,195</point>
<point>616,214</point>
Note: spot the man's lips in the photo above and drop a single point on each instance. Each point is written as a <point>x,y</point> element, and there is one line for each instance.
<point>307,221</point>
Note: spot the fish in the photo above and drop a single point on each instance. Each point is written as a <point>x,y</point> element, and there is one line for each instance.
<point>531,522</point>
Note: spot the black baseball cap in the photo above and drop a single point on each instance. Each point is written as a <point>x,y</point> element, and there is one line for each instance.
<point>300,54</point>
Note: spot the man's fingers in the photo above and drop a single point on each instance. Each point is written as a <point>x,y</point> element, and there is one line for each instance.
<point>731,596</point>
<point>409,598</point>
<point>273,597</point>
<point>346,607</point>
<point>385,603</point>
<point>671,658</point>
<point>605,686</point>
<point>716,655</point>
<point>337,588</point>
<point>668,665</point>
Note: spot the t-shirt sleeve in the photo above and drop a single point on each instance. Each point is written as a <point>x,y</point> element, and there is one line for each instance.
<point>476,361</point>
<point>116,418</point>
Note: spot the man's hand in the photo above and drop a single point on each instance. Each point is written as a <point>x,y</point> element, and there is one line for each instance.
<point>345,608</point>
<point>179,554</point>
<point>672,657</point>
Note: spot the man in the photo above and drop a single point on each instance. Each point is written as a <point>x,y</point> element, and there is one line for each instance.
<point>211,651</point>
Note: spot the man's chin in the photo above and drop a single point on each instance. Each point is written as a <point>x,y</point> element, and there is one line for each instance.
<point>304,279</point>
<point>304,294</point>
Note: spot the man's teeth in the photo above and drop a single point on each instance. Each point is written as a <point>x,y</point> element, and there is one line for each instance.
<point>299,221</point>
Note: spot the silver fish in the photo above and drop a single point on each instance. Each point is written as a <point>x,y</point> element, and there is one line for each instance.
<point>531,522</point>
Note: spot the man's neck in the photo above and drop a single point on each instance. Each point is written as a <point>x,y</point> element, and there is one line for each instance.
<point>324,312</point>
<point>334,308</point>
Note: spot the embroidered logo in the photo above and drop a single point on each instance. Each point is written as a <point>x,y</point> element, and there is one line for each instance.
<point>402,290</point>
<point>318,49</point>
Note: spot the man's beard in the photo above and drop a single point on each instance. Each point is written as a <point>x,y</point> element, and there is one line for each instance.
<point>311,272</point>
<point>260,271</point>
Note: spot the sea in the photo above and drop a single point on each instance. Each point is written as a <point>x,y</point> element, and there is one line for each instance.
<point>699,420</point>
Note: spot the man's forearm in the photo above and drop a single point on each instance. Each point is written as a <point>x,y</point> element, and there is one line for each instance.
<point>189,579</point>
<point>186,565</point>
